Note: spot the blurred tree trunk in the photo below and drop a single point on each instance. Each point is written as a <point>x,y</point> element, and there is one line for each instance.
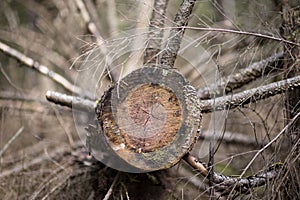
<point>291,31</point>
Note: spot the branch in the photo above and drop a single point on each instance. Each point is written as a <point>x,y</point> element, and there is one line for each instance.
<point>92,28</point>
<point>221,30</point>
<point>71,101</point>
<point>176,33</point>
<point>11,140</point>
<point>226,183</point>
<point>248,96</point>
<point>155,31</point>
<point>233,138</point>
<point>44,70</point>
<point>243,77</point>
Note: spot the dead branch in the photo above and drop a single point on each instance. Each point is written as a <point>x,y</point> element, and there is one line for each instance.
<point>243,76</point>
<point>71,101</point>
<point>11,140</point>
<point>233,138</point>
<point>251,95</point>
<point>13,96</point>
<point>92,28</point>
<point>37,43</point>
<point>90,24</point>
<point>42,69</point>
<point>226,184</point>
<point>169,54</point>
<point>155,31</point>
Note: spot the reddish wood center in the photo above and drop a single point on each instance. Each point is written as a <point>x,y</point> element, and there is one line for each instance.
<point>149,118</point>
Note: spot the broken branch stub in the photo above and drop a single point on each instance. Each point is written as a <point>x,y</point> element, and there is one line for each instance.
<point>150,118</point>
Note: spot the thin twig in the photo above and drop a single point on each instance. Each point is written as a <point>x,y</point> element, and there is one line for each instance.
<point>8,79</point>
<point>251,95</point>
<point>169,54</point>
<point>271,142</point>
<point>110,191</point>
<point>44,70</point>
<point>221,30</point>
<point>243,76</point>
<point>11,140</point>
<point>156,32</point>
<point>64,127</point>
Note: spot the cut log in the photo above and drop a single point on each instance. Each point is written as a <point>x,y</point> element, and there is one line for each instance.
<point>150,118</point>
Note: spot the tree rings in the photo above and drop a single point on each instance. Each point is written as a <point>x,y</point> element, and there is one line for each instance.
<point>150,118</point>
